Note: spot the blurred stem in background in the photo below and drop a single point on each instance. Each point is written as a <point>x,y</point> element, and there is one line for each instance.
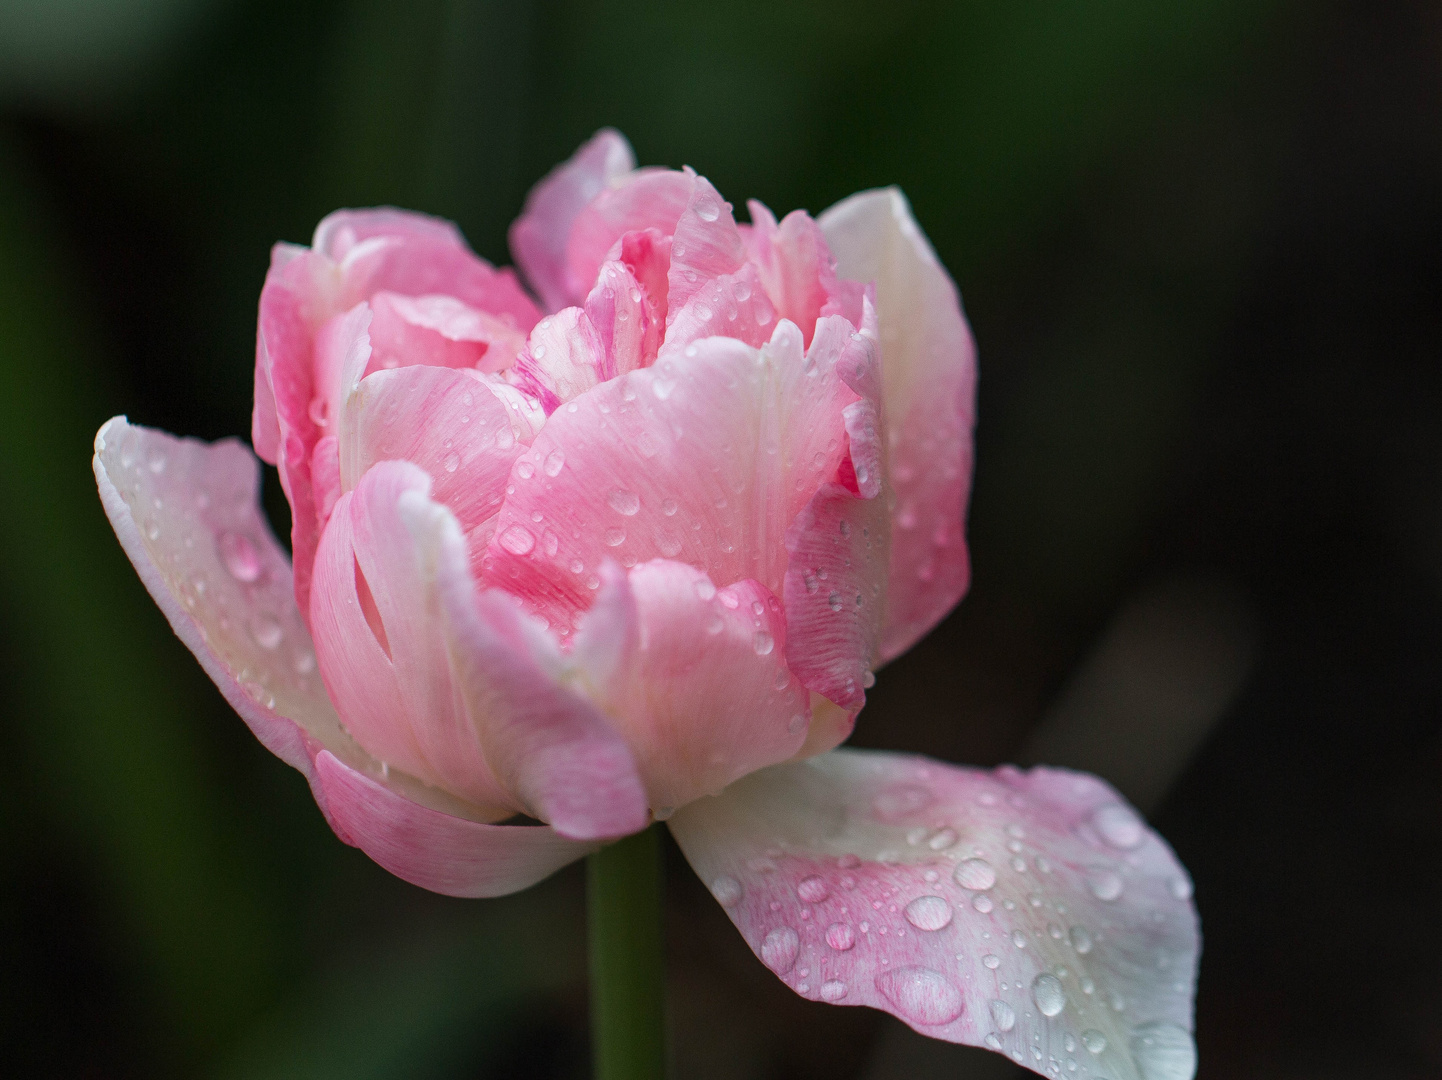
<point>628,969</point>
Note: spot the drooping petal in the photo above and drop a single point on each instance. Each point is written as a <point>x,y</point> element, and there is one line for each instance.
<point>928,366</point>
<point>705,457</point>
<point>539,236</point>
<point>551,748</point>
<point>645,199</point>
<point>442,852</point>
<point>693,676</point>
<point>381,647</point>
<point>451,423</point>
<point>1030,912</point>
<point>187,513</point>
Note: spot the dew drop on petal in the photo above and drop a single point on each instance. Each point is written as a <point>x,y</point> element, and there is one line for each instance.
<point>762,643</point>
<point>1081,941</point>
<point>239,556</point>
<point>726,890</point>
<point>928,913</point>
<point>921,995</point>
<point>991,961</point>
<point>625,503</point>
<point>451,462</point>
<point>982,903</point>
<point>1118,826</point>
<point>1094,1040</point>
<point>840,936</point>
<point>1104,884</point>
<point>267,632</point>
<point>779,948</point>
<point>813,890</point>
<point>975,874</point>
<point>615,537</point>
<point>1164,1052</point>
<point>1002,1014</point>
<point>1047,992</point>
<point>833,990</point>
<point>525,469</point>
<point>555,460</point>
<point>517,539</point>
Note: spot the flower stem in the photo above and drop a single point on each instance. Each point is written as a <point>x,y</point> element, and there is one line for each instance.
<point>628,992</point>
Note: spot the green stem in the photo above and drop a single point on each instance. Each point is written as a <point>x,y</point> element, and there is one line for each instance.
<point>628,990</point>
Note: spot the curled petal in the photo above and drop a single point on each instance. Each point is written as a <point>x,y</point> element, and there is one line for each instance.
<point>623,319</point>
<point>647,199</point>
<point>564,357</point>
<point>693,676</point>
<point>797,270</point>
<point>928,368</point>
<point>381,647</point>
<point>558,755</point>
<point>187,514</point>
<point>1033,913</point>
<point>540,235</point>
<point>732,305</point>
<point>439,331</point>
<point>705,244</point>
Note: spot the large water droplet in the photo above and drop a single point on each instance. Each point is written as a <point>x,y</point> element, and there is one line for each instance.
<point>991,961</point>
<point>625,503</point>
<point>267,632</point>
<point>975,874</point>
<point>982,903</point>
<point>762,642</point>
<point>525,469</point>
<point>451,462</point>
<point>706,209</point>
<point>840,936</point>
<point>833,990</point>
<point>1164,1052</point>
<point>726,890</point>
<point>239,556</point>
<point>778,950</point>
<point>928,913</point>
<point>1081,941</point>
<point>1002,1014</point>
<point>615,537</point>
<point>1047,992</point>
<point>555,460</point>
<point>921,995</point>
<point>1094,1040</point>
<point>1118,826</point>
<point>944,837</point>
<point>1105,885</point>
<point>813,890</point>
<point>517,539</point>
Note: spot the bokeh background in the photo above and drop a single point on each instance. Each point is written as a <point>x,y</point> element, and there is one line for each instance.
<point>1200,243</point>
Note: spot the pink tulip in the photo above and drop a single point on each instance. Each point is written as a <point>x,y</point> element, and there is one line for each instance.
<point>637,559</point>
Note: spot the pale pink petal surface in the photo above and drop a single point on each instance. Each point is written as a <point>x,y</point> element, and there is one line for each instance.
<point>693,676</point>
<point>928,365</point>
<point>1033,913</point>
<point>647,199</point>
<point>551,747</point>
<point>539,236</point>
<point>187,514</point>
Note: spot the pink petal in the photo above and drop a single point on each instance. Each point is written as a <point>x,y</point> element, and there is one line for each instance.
<point>381,647</point>
<point>1033,913</point>
<point>552,749</point>
<point>440,331</point>
<point>797,270</point>
<point>733,305</point>
<point>539,236</point>
<point>705,458</point>
<point>646,199</point>
<point>646,253</point>
<point>928,364</point>
<point>694,677</point>
<point>564,357</point>
<point>453,424</point>
<point>623,319</point>
<point>389,250</point>
<point>187,514</point>
<point>705,244</point>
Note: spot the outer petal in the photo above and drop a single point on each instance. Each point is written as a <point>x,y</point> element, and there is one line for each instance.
<point>187,514</point>
<point>379,641</point>
<point>694,677</point>
<point>705,457</point>
<point>1033,913</point>
<point>553,749</point>
<point>539,236</point>
<point>928,363</point>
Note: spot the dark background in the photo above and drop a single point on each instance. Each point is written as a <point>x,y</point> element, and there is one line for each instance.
<point>1200,243</point>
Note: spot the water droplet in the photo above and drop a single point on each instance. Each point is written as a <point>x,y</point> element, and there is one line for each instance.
<point>975,874</point>
<point>304,663</point>
<point>1181,888</point>
<point>778,950</point>
<point>726,890</point>
<point>1047,992</point>
<point>625,503</point>
<point>762,642</point>
<point>517,539</point>
<point>1018,939</point>
<point>668,507</point>
<point>452,461</point>
<point>525,469</point>
<point>706,209</point>
<point>1118,826</point>
<point>239,556</point>
<point>840,937</point>
<point>813,890</point>
<point>1105,885</point>
<point>267,632</point>
<point>555,460</point>
<point>1002,1014</point>
<point>921,995</point>
<point>992,1040</point>
<point>834,601</point>
<point>982,903</point>
<point>928,913</point>
<point>615,537</point>
<point>1164,1052</point>
<point>1081,941</point>
<point>991,961</point>
<point>1094,1040</point>
<point>944,838</point>
<point>833,990</point>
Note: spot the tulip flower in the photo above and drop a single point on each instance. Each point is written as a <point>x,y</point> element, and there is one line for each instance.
<point>634,554</point>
